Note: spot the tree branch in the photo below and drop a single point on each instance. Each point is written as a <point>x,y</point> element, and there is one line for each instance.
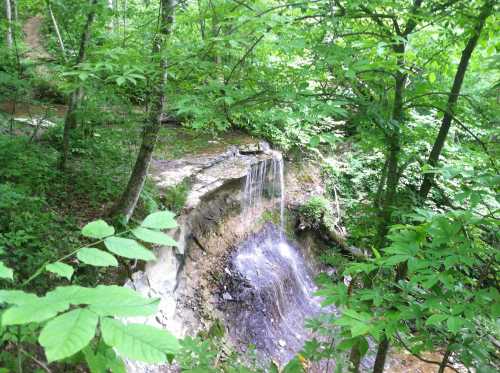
<point>419,357</point>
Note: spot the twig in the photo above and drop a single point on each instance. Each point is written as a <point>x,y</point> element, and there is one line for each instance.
<point>40,363</point>
<point>336,204</point>
<point>419,357</point>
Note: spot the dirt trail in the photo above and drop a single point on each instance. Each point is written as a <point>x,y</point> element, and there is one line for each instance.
<point>33,39</point>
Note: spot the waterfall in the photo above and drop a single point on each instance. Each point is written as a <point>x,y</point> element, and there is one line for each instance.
<point>270,289</point>
<point>265,181</point>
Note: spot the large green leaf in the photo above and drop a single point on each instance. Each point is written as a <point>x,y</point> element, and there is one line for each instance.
<point>128,248</point>
<point>98,229</point>
<point>151,236</point>
<point>68,333</point>
<point>436,319</point>
<point>109,300</point>
<point>96,257</point>
<point>60,269</point>
<point>16,297</point>
<point>6,272</point>
<point>103,359</point>
<point>38,310</point>
<point>160,220</point>
<point>127,306</point>
<point>454,323</point>
<point>138,341</point>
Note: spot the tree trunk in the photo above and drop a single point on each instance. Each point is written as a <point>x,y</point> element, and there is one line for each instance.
<point>383,348</point>
<point>486,10</point>
<point>392,158</point>
<point>15,11</point>
<point>444,362</point>
<point>70,121</point>
<point>126,204</point>
<point>394,144</point>
<point>56,29</point>
<point>8,15</point>
<point>355,359</point>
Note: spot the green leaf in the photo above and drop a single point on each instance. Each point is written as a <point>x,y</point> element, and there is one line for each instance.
<point>128,248</point>
<point>98,229</point>
<point>160,220</point>
<point>138,341</point>
<point>96,257</point>
<point>68,333</point>
<point>120,80</point>
<point>396,259</point>
<point>6,272</point>
<point>103,359</point>
<point>359,328</point>
<point>431,77</point>
<point>38,310</point>
<point>16,297</point>
<point>107,300</point>
<point>294,366</point>
<point>454,324</point>
<point>127,307</point>
<point>436,319</point>
<point>347,344</point>
<point>314,141</point>
<point>60,269</point>
<point>159,238</point>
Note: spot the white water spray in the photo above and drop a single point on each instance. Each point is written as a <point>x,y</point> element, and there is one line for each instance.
<point>275,295</point>
<point>265,182</point>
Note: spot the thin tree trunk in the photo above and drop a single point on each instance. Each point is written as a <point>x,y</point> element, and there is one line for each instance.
<point>112,8</point>
<point>70,121</point>
<point>444,362</point>
<point>56,29</point>
<point>126,204</point>
<point>8,15</point>
<point>392,160</point>
<point>486,11</point>
<point>15,12</point>
<point>393,175</point>
<point>380,188</point>
<point>383,348</point>
<point>355,359</point>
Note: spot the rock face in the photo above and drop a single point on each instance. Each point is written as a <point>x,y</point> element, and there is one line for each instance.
<point>209,225</point>
<point>211,228</point>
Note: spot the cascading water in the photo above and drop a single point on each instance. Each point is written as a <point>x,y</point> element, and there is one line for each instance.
<point>264,180</point>
<point>271,290</point>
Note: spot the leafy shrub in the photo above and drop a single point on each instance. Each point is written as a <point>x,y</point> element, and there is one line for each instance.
<point>318,211</point>
<point>67,317</point>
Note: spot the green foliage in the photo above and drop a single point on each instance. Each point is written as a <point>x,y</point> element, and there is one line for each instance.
<point>316,208</point>
<point>60,269</point>
<point>308,76</point>
<point>445,297</point>
<point>139,341</point>
<point>69,315</point>
<point>175,198</point>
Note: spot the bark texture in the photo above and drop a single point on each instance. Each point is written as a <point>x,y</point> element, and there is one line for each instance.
<point>8,15</point>
<point>486,10</point>
<point>126,204</point>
